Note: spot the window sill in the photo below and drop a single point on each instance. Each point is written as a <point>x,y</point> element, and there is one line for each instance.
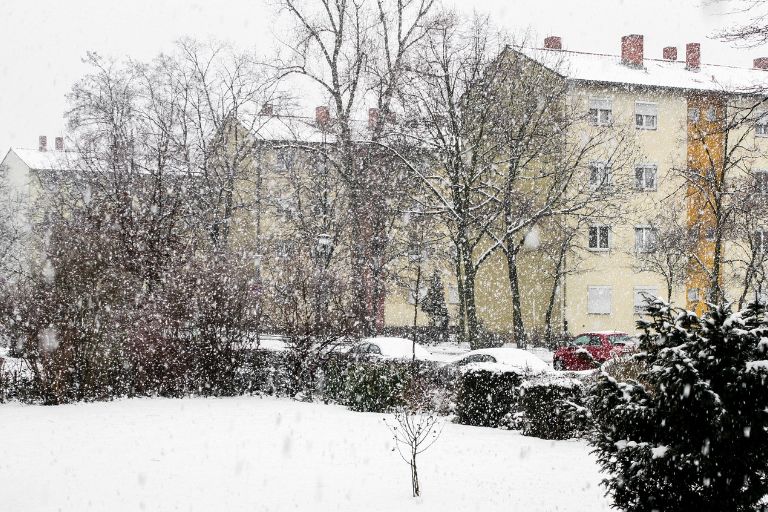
<point>599,314</point>
<point>645,128</point>
<point>593,249</point>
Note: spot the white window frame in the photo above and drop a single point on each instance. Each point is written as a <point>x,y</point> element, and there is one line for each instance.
<point>645,169</point>
<point>761,125</point>
<point>761,181</point>
<point>599,247</point>
<point>595,292</point>
<point>648,232</point>
<point>761,240</point>
<point>603,169</point>
<point>646,115</point>
<point>640,295</point>
<point>600,111</point>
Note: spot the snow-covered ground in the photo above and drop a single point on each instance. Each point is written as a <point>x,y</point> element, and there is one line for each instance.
<point>264,454</point>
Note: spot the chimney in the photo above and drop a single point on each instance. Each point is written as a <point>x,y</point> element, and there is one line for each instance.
<point>760,63</point>
<point>373,118</point>
<point>632,50</point>
<point>670,53</point>
<point>59,143</point>
<point>322,116</point>
<point>553,43</point>
<point>267,109</point>
<point>693,56</point>
<point>42,143</point>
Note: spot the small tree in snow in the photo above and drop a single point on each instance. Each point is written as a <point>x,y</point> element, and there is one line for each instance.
<point>414,432</point>
<point>690,432</point>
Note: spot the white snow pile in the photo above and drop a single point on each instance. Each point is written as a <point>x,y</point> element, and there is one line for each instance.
<point>265,454</point>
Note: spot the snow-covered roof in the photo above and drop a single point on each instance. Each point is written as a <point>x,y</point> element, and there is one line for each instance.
<point>605,68</point>
<point>298,128</point>
<point>45,160</point>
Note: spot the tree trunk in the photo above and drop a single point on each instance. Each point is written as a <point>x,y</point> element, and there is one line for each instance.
<point>518,327</point>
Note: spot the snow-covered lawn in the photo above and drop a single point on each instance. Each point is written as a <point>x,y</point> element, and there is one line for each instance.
<point>264,454</point>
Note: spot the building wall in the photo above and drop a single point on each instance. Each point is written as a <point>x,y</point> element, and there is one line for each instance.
<point>616,267</point>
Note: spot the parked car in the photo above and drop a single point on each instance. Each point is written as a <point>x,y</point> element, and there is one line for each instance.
<point>504,359</point>
<point>590,349</point>
<point>389,348</point>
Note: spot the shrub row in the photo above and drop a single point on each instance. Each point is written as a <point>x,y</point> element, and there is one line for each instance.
<point>543,407</point>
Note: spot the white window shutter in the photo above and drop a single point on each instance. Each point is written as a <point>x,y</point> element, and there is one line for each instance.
<point>600,103</point>
<point>599,300</point>
<point>646,109</point>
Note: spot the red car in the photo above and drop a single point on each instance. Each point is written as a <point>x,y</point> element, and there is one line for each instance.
<point>590,349</point>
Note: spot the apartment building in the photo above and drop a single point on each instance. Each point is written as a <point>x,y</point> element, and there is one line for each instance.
<point>676,108</point>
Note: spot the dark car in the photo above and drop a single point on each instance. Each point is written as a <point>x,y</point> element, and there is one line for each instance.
<point>590,349</point>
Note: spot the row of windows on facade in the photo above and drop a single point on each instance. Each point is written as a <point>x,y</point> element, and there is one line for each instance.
<point>646,177</point>
<point>647,236</point>
<point>647,114</point>
<point>600,299</point>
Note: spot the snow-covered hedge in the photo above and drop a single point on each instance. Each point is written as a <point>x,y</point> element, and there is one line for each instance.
<point>548,405</point>
<point>486,397</point>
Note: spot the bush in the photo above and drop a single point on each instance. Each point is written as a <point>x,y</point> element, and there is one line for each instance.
<point>375,386</point>
<point>486,397</point>
<point>547,408</point>
<point>691,432</point>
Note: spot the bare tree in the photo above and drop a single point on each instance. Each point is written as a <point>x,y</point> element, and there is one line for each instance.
<point>414,433</point>
<point>356,52</point>
<point>668,254</point>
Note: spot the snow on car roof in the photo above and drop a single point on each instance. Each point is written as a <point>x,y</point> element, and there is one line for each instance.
<point>507,356</point>
<point>606,68</point>
<point>398,347</point>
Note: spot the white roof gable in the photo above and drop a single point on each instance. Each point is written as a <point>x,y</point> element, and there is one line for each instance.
<point>45,160</point>
<point>595,67</point>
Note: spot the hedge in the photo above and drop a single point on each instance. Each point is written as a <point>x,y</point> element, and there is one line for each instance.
<point>548,406</point>
<point>486,397</point>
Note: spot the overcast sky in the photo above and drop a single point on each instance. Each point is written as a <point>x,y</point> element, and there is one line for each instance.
<point>42,42</point>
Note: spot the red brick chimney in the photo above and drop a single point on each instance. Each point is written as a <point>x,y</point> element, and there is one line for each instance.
<point>693,56</point>
<point>670,53</point>
<point>322,116</point>
<point>553,43</point>
<point>59,143</point>
<point>42,143</point>
<point>760,63</point>
<point>373,118</point>
<point>632,50</point>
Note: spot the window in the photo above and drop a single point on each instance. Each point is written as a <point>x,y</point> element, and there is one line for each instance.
<point>599,175</point>
<point>693,114</point>
<point>580,341</point>
<point>645,239</point>
<point>599,238</point>
<point>646,115</point>
<point>761,241</point>
<point>693,294</point>
<point>645,177</point>
<point>600,111</point>
<point>599,300</point>
<point>642,295</point>
<point>453,294</point>
<point>761,125</point>
<point>412,296</point>
<point>761,181</point>
<point>477,358</point>
<point>286,158</point>
<point>711,114</point>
